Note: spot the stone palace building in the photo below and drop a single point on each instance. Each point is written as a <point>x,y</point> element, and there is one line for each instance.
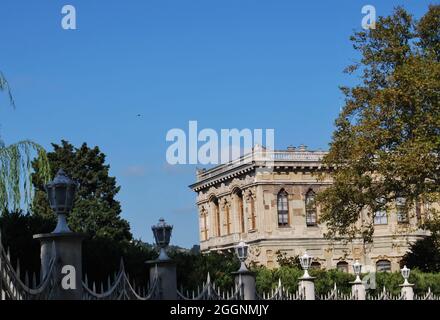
<point>267,199</point>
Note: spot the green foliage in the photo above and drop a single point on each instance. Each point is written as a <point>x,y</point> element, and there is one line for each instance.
<point>422,282</point>
<point>15,165</point>
<point>424,254</point>
<point>193,268</point>
<point>95,212</point>
<point>390,124</point>
<point>267,279</point>
<point>102,257</point>
<point>287,261</point>
<point>326,279</point>
<point>17,229</point>
<point>15,172</point>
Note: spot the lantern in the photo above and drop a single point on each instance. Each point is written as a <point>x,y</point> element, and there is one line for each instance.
<point>162,235</point>
<point>61,194</point>
<point>306,262</point>
<point>242,253</point>
<point>405,274</point>
<point>357,268</point>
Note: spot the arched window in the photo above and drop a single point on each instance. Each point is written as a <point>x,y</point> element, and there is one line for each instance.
<point>342,266</point>
<point>283,208</point>
<point>315,265</point>
<point>383,266</point>
<point>311,219</point>
<point>216,211</point>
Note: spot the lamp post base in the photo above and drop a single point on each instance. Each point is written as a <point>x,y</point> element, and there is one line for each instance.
<point>307,287</point>
<point>66,248</point>
<point>166,271</point>
<point>246,279</point>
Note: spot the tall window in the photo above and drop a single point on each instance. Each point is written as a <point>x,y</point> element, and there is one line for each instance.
<point>216,210</point>
<point>253,213</point>
<point>383,266</point>
<point>311,209</point>
<point>283,208</point>
<point>239,197</point>
<point>381,216</point>
<point>401,210</point>
<point>228,219</point>
<point>204,216</point>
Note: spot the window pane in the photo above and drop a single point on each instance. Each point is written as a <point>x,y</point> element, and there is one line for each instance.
<point>342,266</point>
<point>283,208</point>
<point>311,217</point>
<point>383,265</point>
<point>381,217</point>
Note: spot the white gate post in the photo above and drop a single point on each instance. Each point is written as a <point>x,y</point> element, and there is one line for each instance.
<point>407,288</point>
<point>307,287</point>
<point>307,283</point>
<point>357,286</point>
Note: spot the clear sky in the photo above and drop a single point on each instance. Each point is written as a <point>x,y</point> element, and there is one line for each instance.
<point>225,63</point>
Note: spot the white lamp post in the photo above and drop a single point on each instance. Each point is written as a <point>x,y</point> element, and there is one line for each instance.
<point>242,253</point>
<point>306,282</point>
<point>407,288</point>
<point>357,268</point>
<point>405,274</point>
<point>306,262</point>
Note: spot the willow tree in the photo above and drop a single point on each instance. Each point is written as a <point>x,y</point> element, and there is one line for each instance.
<point>386,144</point>
<point>16,165</point>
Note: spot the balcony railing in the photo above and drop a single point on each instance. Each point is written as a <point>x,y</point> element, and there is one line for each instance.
<point>267,157</point>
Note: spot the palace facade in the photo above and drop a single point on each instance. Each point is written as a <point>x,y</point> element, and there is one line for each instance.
<point>267,199</point>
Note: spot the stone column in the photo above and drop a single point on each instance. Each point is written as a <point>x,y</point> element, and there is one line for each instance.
<point>307,287</point>
<point>245,280</point>
<point>165,270</point>
<point>66,248</point>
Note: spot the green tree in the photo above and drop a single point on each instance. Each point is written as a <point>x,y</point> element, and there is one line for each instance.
<point>96,211</point>
<point>17,229</point>
<point>424,254</point>
<point>15,165</point>
<point>387,138</point>
<point>193,268</point>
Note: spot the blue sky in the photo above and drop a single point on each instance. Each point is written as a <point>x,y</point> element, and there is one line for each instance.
<point>225,63</point>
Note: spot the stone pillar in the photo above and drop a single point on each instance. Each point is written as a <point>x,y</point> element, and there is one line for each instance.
<point>246,279</point>
<point>166,271</point>
<point>66,247</point>
<point>358,290</point>
<point>407,291</point>
<point>307,287</point>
